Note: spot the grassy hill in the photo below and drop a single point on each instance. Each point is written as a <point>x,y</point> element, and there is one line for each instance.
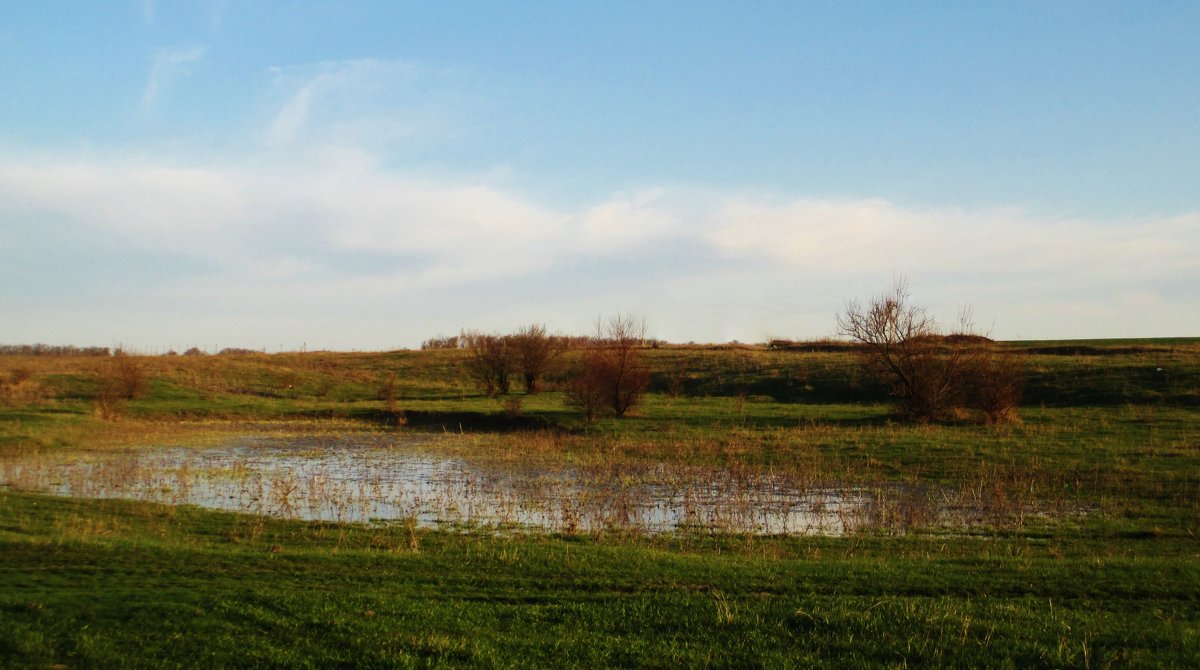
<point>1083,549</point>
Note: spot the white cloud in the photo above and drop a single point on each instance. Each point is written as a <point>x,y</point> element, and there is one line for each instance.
<point>167,66</point>
<point>147,205</point>
<point>872,236</point>
<point>291,217</point>
<point>468,231</point>
<point>329,231</point>
<point>628,221</point>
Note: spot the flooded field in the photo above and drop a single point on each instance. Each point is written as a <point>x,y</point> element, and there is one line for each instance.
<point>379,479</point>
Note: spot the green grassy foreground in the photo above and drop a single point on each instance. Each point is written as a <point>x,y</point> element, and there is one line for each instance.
<point>106,584</point>
<point>1110,438</point>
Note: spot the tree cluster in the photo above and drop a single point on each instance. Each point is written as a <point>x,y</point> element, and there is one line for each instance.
<point>440,342</point>
<point>494,360</point>
<point>607,377</point>
<point>51,350</point>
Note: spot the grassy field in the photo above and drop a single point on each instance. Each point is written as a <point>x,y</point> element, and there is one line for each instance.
<point>1083,549</point>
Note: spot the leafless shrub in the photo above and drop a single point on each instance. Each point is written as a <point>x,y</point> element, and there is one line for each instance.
<point>611,374</point>
<point>119,379</point>
<point>491,361</point>
<point>535,352</point>
<point>128,376</point>
<point>586,388</point>
<point>995,382</point>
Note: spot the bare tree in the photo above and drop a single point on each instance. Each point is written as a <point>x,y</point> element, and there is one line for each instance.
<point>534,352</point>
<point>930,375</point>
<point>611,373</point>
<point>490,361</point>
<point>897,340</point>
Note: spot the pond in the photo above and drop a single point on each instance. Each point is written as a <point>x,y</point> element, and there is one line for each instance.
<point>384,478</point>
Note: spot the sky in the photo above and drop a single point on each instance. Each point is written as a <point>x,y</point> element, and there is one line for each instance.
<point>365,175</point>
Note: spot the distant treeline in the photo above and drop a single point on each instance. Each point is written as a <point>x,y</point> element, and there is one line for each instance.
<point>562,341</point>
<point>71,350</point>
<point>51,350</point>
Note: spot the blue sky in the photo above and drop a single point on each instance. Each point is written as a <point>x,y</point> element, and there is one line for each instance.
<point>369,174</point>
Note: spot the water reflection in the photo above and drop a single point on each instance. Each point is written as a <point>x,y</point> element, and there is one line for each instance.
<point>383,478</point>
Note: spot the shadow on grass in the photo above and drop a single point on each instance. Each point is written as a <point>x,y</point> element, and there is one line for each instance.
<point>459,421</point>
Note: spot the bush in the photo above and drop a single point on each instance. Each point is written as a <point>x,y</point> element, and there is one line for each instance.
<point>121,379</point>
<point>930,376</point>
<point>995,382</point>
<point>586,389</point>
<point>611,375</point>
<point>491,361</point>
<point>534,353</point>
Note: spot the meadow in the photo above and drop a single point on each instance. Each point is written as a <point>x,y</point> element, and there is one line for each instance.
<point>1070,538</point>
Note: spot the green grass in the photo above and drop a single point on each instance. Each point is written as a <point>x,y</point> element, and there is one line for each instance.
<point>108,584</point>
<point>1110,432</point>
<point>765,386</point>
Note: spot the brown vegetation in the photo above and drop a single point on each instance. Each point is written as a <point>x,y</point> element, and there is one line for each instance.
<point>18,387</point>
<point>535,352</point>
<point>490,361</point>
<point>117,380</point>
<point>440,342</point>
<point>529,352</point>
<point>611,375</point>
<point>995,382</point>
<point>931,376</point>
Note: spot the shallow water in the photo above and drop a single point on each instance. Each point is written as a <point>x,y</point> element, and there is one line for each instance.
<point>386,478</point>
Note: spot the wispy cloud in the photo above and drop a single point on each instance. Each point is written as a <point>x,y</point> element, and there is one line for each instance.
<point>167,67</point>
<point>367,93</point>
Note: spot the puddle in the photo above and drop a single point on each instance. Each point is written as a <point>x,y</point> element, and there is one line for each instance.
<point>388,478</point>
